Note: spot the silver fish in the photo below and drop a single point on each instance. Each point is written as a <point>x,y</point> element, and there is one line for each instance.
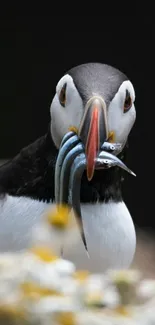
<point>68,145</point>
<point>66,137</point>
<point>65,171</point>
<point>114,148</point>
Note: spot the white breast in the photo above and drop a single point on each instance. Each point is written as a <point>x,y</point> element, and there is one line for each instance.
<point>109,231</point>
<point>18,215</point>
<point>110,234</point>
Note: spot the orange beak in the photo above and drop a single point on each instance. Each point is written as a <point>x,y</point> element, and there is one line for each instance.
<point>93,131</point>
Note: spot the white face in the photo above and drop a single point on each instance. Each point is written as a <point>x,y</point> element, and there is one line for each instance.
<point>121,114</point>
<point>62,118</point>
<point>121,118</point>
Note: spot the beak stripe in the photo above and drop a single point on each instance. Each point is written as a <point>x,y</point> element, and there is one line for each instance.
<point>92,145</point>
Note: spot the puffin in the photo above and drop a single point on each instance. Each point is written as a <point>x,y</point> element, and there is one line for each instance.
<point>97,102</point>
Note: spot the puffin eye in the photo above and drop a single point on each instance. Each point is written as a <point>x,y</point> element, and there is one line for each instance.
<point>127,102</point>
<point>62,95</point>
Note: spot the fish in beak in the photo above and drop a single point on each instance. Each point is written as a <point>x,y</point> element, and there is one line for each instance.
<point>93,131</point>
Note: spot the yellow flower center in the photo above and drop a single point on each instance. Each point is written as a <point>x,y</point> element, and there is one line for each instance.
<point>93,299</point>
<point>122,310</point>
<point>44,253</point>
<point>11,313</point>
<point>81,275</point>
<point>33,290</point>
<point>125,277</point>
<point>60,217</point>
<point>66,318</point>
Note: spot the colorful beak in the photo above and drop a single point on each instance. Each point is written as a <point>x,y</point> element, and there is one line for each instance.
<point>93,131</point>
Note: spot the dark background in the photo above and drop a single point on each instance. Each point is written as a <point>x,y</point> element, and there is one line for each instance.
<point>35,51</point>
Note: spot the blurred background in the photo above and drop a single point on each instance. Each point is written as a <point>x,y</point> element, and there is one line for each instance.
<point>36,50</point>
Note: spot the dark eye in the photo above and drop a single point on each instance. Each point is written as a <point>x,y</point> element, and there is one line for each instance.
<point>62,95</point>
<point>127,102</point>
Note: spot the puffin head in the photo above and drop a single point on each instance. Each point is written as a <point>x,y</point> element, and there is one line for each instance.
<point>97,102</point>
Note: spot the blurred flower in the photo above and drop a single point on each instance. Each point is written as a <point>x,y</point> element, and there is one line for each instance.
<point>124,276</point>
<point>146,289</point>
<point>44,253</point>
<point>59,218</point>
<point>81,275</point>
<point>38,287</point>
<point>125,282</point>
<point>66,318</point>
<point>57,229</point>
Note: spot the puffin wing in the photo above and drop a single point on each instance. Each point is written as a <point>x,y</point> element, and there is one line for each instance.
<point>31,172</point>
